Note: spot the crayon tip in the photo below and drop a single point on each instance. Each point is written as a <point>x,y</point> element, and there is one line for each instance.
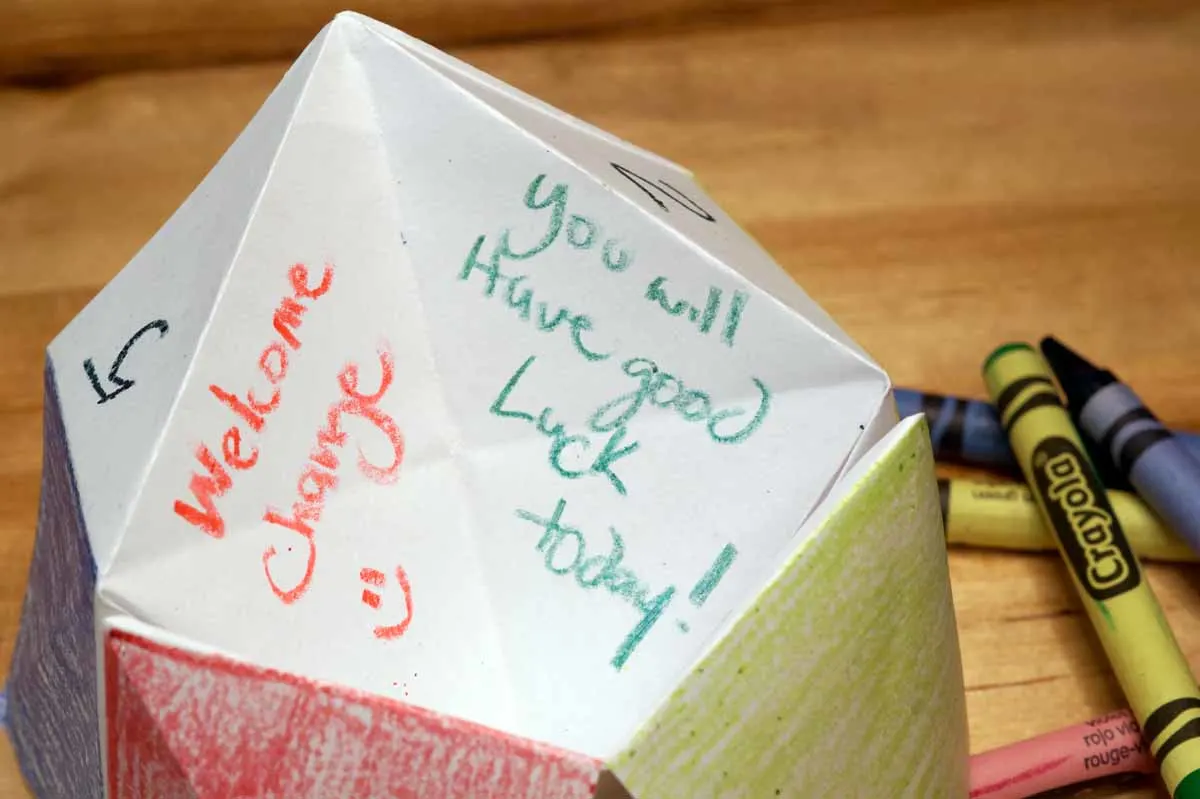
<point>1079,378</point>
<point>1189,787</point>
<point>1001,350</point>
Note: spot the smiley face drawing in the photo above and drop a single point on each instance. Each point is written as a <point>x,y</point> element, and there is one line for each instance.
<point>376,579</point>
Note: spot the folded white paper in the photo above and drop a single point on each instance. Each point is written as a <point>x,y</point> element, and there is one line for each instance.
<point>436,409</point>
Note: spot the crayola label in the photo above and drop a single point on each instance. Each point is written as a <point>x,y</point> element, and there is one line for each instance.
<point>1083,519</point>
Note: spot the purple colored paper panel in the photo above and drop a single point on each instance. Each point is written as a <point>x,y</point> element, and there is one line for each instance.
<point>52,714</point>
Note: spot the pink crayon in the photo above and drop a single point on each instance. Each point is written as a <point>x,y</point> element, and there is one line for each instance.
<point>1109,746</point>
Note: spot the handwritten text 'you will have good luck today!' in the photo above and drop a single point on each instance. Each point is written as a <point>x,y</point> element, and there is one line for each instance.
<point>250,415</point>
<point>576,453</point>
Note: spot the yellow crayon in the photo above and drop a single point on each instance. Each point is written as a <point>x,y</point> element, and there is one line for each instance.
<point>1004,515</point>
<point>1123,610</point>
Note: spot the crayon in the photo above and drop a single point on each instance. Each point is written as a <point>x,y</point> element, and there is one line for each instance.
<point>967,431</point>
<point>962,430</point>
<point>1004,515</point>
<point>1062,762</point>
<point>1118,785</point>
<point>1128,436</point>
<point>1106,574</point>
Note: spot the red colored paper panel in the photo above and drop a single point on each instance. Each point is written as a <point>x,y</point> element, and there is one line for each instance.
<point>187,726</point>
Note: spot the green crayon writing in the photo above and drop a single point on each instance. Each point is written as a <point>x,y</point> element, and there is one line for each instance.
<point>565,552</point>
<point>704,319</point>
<point>660,389</point>
<point>565,447</point>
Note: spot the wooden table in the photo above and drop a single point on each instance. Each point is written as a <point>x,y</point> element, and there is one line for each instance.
<point>940,179</point>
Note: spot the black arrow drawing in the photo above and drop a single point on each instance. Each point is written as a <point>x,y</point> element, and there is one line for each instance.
<point>652,191</point>
<point>114,377</point>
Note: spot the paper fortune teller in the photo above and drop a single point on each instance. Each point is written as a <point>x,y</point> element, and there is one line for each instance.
<point>443,445</point>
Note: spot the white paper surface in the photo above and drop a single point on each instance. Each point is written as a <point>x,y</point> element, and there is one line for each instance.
<point>664,189</point>
<point>155,311</point>
<point>392,175</point>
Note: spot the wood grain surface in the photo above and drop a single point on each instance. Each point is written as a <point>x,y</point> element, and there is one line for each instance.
<point>64,40</point>
<point>940,181</point>
<point>48,42</point>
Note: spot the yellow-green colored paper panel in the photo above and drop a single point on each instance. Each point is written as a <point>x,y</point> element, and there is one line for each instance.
<point>844,678</point>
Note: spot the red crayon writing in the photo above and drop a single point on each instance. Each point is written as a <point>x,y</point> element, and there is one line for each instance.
<point>215,480</point>
<point>319,475</point>
<point>371,598</point>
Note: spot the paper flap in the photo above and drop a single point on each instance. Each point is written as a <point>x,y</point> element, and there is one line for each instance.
<point>666,191</point>
<point>181,723</point>
<point>845,665</point>
<point>121,361</point>
<point>52,680</point>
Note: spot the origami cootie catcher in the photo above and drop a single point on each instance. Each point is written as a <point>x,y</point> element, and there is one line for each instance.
<point>442,445</point>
